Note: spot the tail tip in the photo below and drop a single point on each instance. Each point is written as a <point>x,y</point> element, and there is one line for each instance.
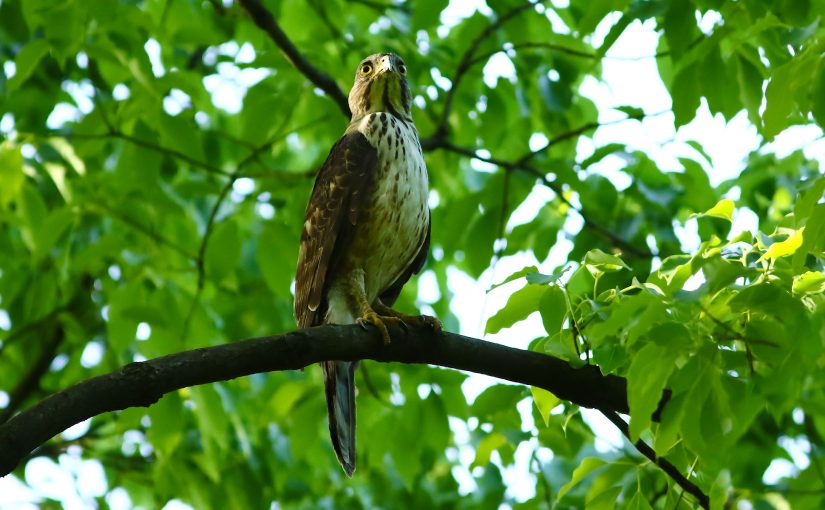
<point>349,468</point>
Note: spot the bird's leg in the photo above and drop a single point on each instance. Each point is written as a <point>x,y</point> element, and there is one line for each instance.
<point>368,315</point>
<point>412,320</point>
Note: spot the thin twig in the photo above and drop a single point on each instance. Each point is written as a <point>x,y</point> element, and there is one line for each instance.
<point>588,222</point>
<point>143,229</point>
<point>115,133</point>
<point>669,469</point>
<point>735,334</point>
<point>32,326</point>
<point>31,380</point>
<point>567,51</point>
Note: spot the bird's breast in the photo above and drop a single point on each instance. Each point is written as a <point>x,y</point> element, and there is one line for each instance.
<point>393,223</point>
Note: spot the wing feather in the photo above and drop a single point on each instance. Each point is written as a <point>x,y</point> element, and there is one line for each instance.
<point>344,181</point>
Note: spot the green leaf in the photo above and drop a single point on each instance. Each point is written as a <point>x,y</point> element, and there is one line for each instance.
<point>522,303</point>
<point>638,502</point>
<point>587,466</point>
<point>515,276</point>
<point>213,419</point>
<point>544,279</point>
<point>11,173</point>
<point>27,61</point>
<point>425,13</point>
<point>679,25</point>
<point>781,92</point>
<point>497,399</point>
<point>805,203</point>
<point>545,402</point>
<point>167,424</point>
<point>646,379</point>
<point>719,491</point>
<point>223,251</point>
<point>553,308</point>
<point>598,261</point>
<point>633,112</point>
<point>786,247</point>
<point>486,447</point>
<point>818,96</point>
<point>750,82</point>
<point>686,92</point>
<point>723,209</point>
<point>809,283</point>
<point>601,152</point>
<point>273,254</point>
<point>604,500</point>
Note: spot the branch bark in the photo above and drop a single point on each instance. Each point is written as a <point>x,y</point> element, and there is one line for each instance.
<point>142,384</point>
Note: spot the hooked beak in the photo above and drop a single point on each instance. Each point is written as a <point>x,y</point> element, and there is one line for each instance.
<point>384,65</point>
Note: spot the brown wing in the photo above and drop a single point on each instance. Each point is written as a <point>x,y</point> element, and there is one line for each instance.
<point>332,212</point>
<point>389,296</point>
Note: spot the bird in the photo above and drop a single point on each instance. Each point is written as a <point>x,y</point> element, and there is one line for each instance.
<point>366,230</point>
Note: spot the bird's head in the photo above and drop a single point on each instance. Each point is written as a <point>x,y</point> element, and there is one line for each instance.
<point>381,86</point>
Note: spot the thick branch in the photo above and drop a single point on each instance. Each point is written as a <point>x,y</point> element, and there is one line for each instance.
<point>266,22</point>
<point>142,384</point>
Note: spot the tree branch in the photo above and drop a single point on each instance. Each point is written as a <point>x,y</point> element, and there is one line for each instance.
<point>116,133</point>
<point>665,465</point>
<point>31,380</point>
<point>266,22</point>
<point>142,384</point>
<point>467,61</point>
<point>439,143</point>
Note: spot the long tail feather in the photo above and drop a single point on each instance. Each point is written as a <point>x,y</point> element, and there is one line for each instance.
<point>339,382</point>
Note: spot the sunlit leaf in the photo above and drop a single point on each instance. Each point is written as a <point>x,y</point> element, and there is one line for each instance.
<point>809,283</point>
<point>522,303</point>
<point>545,402</point>
<point>587,466</point>
<point>786,247</point>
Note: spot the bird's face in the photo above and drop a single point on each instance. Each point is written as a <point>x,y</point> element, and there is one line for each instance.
<point>381,86</point>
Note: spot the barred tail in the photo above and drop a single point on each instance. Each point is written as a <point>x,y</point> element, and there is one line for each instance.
<point>339,382</point>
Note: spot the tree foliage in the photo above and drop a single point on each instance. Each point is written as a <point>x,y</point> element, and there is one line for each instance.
<point>146,208</point>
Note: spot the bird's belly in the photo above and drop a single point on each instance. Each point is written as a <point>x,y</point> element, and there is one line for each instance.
<point>395,226</point>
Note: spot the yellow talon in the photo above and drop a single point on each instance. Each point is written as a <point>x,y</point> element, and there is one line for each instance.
<point>370,317</point>
<point>404,319</point>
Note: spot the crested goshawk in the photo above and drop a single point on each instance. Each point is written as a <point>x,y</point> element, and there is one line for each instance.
<point>366,230</point>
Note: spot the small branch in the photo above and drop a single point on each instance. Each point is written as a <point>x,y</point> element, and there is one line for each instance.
<point>735,334</point>
<point>115,133</point>
<point>142,384</point>
<point>210,223</point>
<point>266,22</point>
<point>34,325</point>
<point>435,143</point>
<point>143,229</point>
<point>31,380</point>
<point>560,48</point>
<point>669,469</point>
<point>466,61</point>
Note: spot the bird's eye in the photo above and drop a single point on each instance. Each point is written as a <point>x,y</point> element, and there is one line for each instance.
<point>366,69</point>
<point>402,69</point>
